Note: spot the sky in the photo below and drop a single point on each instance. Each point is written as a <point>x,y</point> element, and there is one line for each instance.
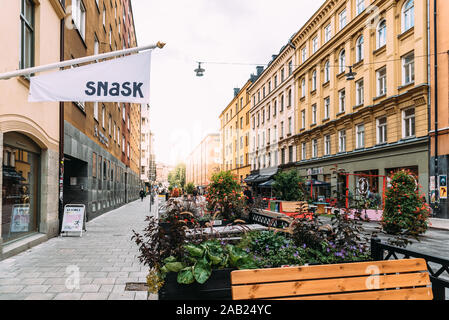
<point>231,37</point>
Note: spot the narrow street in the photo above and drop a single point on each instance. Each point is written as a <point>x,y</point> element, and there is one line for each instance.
<point>105,255</point>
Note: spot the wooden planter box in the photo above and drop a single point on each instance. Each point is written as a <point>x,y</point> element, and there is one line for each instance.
<point>217,287</point>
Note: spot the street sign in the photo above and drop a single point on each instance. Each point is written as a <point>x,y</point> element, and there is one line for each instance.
<point>73,220</point>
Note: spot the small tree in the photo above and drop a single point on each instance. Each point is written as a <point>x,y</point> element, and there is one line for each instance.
<point>406,211</point>
<point>224,195</point>
<point>288,186</point>
<point>190,187</point>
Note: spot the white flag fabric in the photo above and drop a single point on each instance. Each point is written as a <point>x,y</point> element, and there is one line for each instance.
<point>124,79</point>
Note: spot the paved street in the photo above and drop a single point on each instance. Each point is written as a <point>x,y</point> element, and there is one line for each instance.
<point>105,256</point>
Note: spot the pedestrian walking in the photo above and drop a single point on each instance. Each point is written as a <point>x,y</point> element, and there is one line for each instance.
<point>142,194</point>
<point>249,196</point>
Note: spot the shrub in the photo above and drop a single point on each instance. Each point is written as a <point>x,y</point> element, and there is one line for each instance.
<point>190,187</point>
<point>406,211</point>
<point>288,186</point>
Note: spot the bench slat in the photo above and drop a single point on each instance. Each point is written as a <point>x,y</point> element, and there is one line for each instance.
<point>424,293</point>
<point>326,271</point>
<point>284,289</point>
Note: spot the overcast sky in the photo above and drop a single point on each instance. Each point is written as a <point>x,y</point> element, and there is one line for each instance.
<point>184,108</point>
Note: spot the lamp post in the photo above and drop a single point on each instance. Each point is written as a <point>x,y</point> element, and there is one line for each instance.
<point>199,71</point>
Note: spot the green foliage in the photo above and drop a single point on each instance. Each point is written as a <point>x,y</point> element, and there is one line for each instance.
<point>199,260</point>
<point>190,187</point>
<point>406,211</point>
<point>288,186</point>
<point>177,177</point>
<point>224,195</point>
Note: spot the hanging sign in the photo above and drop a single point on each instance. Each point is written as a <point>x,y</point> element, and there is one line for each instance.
<point>73,220</point>
<point>20,218</point>
<point>118,80</point>
<point>443,192</point>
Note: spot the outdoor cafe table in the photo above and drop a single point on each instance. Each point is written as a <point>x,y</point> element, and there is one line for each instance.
<point>321,207</point>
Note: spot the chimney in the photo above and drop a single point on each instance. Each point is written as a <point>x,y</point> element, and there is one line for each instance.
<point>259,70</point>
<point>236,91</point>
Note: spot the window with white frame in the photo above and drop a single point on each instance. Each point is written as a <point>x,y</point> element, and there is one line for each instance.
<point>118,136</point>
<point>342,141</point>
<point>268,112</point>
<point>408,68</point>
<point>359,92</point>
<point>342,61</point>
<point>290,128</point>
<point>282,104</point>
<point>104,16</point>
<point>123,144</point>
<point>314,80</point>
<point>342,100</point>
<point>314,148</point>
<point>79,17</point>
<point>327,106</point>
<point>103,117</point>
<point>381,124</point>
<point>110,125</point>
<point>275,81</point>
<point>381,75</point>
<point>96,111</point>
<point>304,54</point>
<point>327,33</point>
<point>327,71</point>
<point>360,6</point>
<point>290,68</point>
<point>314,114</point>
<point>275,106</point>
<point>359,49</point>
<point>342,19</point>
<point>289,97</point>
<point>327,145</point>
<point>303,119</point>
<point>268,135</point>
<point>314,45</point>
<point>303,87</point>
<point>360,139</point>
<point>282,74</point>
<point>381,37</point>
<point>408,123</point>
<point>275,131</point>
<point>408,15</point>
<point>303,151</point>
<point>27,33</point>
<point>282,129</point>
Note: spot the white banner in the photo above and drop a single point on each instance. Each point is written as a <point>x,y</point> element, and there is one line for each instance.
<point>124,79</point>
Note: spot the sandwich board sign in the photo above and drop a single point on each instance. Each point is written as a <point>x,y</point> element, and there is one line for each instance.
<point>73,220</point>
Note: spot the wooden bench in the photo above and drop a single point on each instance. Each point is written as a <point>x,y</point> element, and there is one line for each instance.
<point>406,279</point>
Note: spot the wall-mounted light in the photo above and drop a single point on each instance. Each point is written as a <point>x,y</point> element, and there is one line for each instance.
<point>199,71</point>
<point>350,75</point>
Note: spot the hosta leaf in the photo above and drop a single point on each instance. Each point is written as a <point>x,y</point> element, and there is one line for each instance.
<point>202,272</point>
<point>185,276</point>
<point>194,250</point>
<point>174,266</point>
<point>170,259</point>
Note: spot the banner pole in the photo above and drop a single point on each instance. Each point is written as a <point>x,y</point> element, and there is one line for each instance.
<point>68,63</point>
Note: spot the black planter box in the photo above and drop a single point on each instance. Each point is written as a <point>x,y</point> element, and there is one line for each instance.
<point>217,287</point>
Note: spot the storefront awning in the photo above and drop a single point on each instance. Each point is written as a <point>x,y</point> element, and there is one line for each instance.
<point>267,184</point>
<point>250,178</point>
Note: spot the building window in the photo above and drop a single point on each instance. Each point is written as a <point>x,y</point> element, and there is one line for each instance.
<point>303,119</point>
<point>289,97</point>
<point>408,15</point>
<point>327,33</point>
<point>326,71</point>
<point>275,106</point>
<point>359,49</point>
<point>314,114</point>
<point>314,80</point>
<point>303,87</point>
<point>103,117</point>
<point>94,164</point>
<point>275,134</point>
<point>327,145</point>
<point>359,92</point>
<point>290,154</point>
<point>315,45</point>
<point>96,111</point>
<point>110,125</point>
<point>283,156</point>
<point>290,68</point>
<point>342,61</point>
<point>304,54</point>
<point>275,81</point>
<point>342,141</point>
<point>303,151</point>
<point>360,141</point>
<point>342,100</point>
<point>360,6</point>
<point>381,34</point>
<point>104,17</point>
<point>79,17</point>
<point>381,124</point>
<point>381,81</point>
<point>268,112</point>
<point>408,68</point>
<point>343,19</point>
<point>282,129</point>
<point>408,127</point>
<point>290,129</point>
<point>327,105</point>
<point>282,104</point>
<point>27,34</point>
<point>269,86</point>
<point>314,148</point>
<point>282,75</point>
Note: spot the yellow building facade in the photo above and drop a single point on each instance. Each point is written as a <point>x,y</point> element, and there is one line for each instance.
<point>376,122</point>
<point>234,134</point>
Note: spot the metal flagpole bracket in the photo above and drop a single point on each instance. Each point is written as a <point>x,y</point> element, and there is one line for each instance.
<point>68,63</point>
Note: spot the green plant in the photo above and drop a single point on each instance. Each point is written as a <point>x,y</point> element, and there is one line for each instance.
<point>190,187</point>
<point>198,260</point>
<point>406,211</point>
<point>288,186</point>
<point>224,195</point>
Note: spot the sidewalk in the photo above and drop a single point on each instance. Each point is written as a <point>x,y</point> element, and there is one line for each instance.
<point>105,255</point>
<point>442,224</point>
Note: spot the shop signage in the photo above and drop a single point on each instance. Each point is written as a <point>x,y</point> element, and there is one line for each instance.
<point>20,218</point>
<point>73,220</point>
<point>314,171</point>
<point>124,79</point>
<point>362,186</point>
<point>443,192</point>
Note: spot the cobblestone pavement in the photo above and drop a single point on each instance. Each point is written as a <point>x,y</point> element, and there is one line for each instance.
<point>105,255</point>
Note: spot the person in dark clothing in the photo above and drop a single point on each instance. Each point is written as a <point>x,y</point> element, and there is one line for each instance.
<point>142,194</point>
<point>249,196</point>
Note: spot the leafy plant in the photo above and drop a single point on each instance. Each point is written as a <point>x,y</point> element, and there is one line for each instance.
<point>288,186</point>
<point>406,211</point>
<point>190,187</point>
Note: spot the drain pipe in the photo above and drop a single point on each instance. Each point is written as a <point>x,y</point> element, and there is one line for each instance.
<point>436,172</point>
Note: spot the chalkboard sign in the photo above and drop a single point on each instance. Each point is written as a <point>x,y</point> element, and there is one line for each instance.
<point>73,220</point>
